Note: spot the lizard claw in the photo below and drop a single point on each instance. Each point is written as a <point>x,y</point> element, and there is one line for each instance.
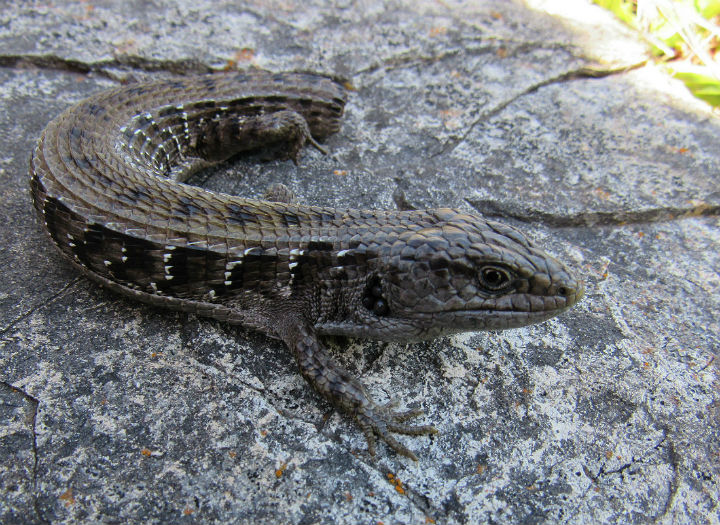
<point>314,143</point>
<point>304,137</point>
<point>379,421</point>
<point>349,395</point>
<point>296,131</point>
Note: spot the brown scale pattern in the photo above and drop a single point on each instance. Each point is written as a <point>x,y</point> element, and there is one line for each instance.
<point>106,180</point>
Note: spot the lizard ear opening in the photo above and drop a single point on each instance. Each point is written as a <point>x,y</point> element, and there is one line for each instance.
<point>373,298</point>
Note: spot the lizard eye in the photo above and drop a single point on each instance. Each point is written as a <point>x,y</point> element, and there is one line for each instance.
<point>494,278</point>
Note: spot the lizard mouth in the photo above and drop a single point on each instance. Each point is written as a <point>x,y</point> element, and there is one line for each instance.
<point>510,312</point>
<point>512,304</point>
<point>427,326</point>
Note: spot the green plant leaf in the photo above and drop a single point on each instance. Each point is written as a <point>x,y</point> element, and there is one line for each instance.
<point>708,8</point>
<point>703,86</point>
<point>623,9</point>
<point>662,32</point>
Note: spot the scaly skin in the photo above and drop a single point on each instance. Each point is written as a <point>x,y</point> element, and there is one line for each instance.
<point>106,181</point>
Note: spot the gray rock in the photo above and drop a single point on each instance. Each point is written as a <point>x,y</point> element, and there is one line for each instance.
<point>116,412</point>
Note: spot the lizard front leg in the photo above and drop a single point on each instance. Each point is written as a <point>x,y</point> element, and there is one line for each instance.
<point>350,395</point>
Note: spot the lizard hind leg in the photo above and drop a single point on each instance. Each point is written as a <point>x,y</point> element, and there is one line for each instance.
<point>285,132</point>
<point>280,193</point>
<point>290,129</point>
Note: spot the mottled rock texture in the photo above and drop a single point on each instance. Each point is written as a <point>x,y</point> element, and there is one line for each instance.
<point>535,113</point>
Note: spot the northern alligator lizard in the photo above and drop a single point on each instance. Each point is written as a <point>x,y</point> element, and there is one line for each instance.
<point>107,181</point>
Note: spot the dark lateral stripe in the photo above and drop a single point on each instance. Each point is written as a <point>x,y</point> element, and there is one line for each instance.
<point>320,246</point>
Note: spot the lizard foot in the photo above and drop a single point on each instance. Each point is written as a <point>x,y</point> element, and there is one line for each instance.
<point>380,420</point>
<point>280,193</point>
<point>349,395</point>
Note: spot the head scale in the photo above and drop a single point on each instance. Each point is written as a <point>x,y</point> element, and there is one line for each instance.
<point>461,274</point>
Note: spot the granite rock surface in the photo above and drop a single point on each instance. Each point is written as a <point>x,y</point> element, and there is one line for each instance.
<point>538,114</point>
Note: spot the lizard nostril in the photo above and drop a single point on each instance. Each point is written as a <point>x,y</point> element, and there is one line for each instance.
<point>565,291</point>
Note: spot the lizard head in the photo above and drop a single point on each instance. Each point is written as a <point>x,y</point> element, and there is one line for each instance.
<point>464,273</point>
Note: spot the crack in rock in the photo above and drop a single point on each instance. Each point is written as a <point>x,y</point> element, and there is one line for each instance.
<point>34,403</point>
<point>105,67</point>
<point>511,210</point>
<point>575,74</point>
<point>24,315</point>
<point>123,68</point>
